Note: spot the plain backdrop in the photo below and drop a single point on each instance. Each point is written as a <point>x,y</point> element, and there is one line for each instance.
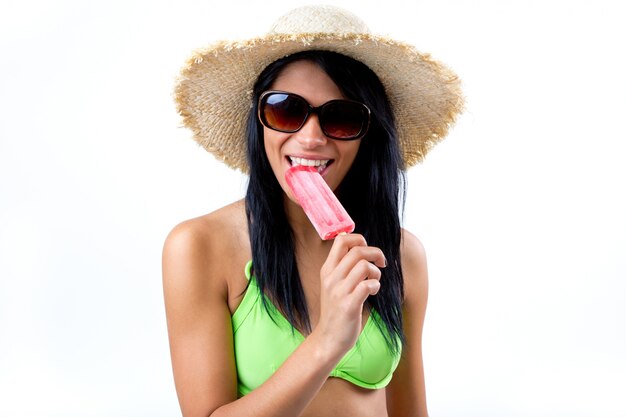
<point>522,209</point>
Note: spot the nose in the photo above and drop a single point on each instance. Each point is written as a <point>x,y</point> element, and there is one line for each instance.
<point>310,135</point>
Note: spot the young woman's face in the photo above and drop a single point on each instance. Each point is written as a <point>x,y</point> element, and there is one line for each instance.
<point>309,81</point>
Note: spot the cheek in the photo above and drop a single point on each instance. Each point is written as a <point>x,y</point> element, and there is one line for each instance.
<point>349,149</point>
<point>272,143</point>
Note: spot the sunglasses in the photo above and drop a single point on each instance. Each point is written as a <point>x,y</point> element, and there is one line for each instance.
<point>288,112</point>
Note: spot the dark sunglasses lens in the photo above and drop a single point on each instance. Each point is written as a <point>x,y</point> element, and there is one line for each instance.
<point>284,112</point>
<point>344,119</point>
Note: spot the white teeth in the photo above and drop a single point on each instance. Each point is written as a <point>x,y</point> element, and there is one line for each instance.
<point>309,162</point>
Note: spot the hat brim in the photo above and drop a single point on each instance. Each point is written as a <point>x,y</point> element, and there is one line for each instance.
<point>213,92</point>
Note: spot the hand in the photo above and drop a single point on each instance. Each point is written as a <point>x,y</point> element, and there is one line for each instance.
<point>349,275</point>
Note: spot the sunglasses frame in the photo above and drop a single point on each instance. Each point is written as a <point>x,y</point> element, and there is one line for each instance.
<point>315,110</point>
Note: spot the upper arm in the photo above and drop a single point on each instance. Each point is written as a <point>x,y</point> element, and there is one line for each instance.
<point>406,394</point>
<point>198,321</point>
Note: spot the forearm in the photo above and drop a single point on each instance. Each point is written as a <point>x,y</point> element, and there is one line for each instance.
<point>291,388</point>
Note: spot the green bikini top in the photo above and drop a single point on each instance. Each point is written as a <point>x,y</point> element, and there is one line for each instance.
<point>263,344</point>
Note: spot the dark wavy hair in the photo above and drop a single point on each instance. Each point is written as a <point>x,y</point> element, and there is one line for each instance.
<point>372,192</point>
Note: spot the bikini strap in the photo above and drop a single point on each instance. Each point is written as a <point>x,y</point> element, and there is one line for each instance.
<point>248,269</point>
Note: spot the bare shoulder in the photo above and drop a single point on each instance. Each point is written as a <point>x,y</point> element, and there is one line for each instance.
<point>203,251</point>
<point>414,267</point>
<point>412,247</point>
<point>199,257</point>
<point>406,394</point>
<point>223,225</point>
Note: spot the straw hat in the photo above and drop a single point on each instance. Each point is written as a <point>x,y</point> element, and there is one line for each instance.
<point>214,90</point>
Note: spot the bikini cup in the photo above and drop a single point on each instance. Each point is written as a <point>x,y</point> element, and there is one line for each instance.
<point>264,341</point>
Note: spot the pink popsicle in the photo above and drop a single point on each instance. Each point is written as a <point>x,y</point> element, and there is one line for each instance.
<point>318,202</point>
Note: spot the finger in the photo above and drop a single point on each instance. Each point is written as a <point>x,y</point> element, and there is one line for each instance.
<point>341,246</point>
<point>363,270</point>
<point>369,253</point>
<point>366,288</point>
<point>356,254</point>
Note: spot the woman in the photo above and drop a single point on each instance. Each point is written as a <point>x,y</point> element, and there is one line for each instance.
<point>264,317</point>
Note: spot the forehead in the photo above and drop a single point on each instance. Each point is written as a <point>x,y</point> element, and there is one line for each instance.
<point>308,80</point>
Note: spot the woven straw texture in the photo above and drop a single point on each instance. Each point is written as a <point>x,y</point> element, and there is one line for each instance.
<point>213,92</point>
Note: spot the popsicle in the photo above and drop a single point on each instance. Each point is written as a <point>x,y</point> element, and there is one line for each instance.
<point>318,202</point>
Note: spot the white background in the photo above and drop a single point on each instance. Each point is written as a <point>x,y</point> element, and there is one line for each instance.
<point>522,209</point>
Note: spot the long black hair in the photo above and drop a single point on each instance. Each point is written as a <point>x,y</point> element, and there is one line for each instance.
<point>372,192</point>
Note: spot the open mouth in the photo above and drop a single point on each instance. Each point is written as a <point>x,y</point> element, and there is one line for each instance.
<point>320,164</point>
